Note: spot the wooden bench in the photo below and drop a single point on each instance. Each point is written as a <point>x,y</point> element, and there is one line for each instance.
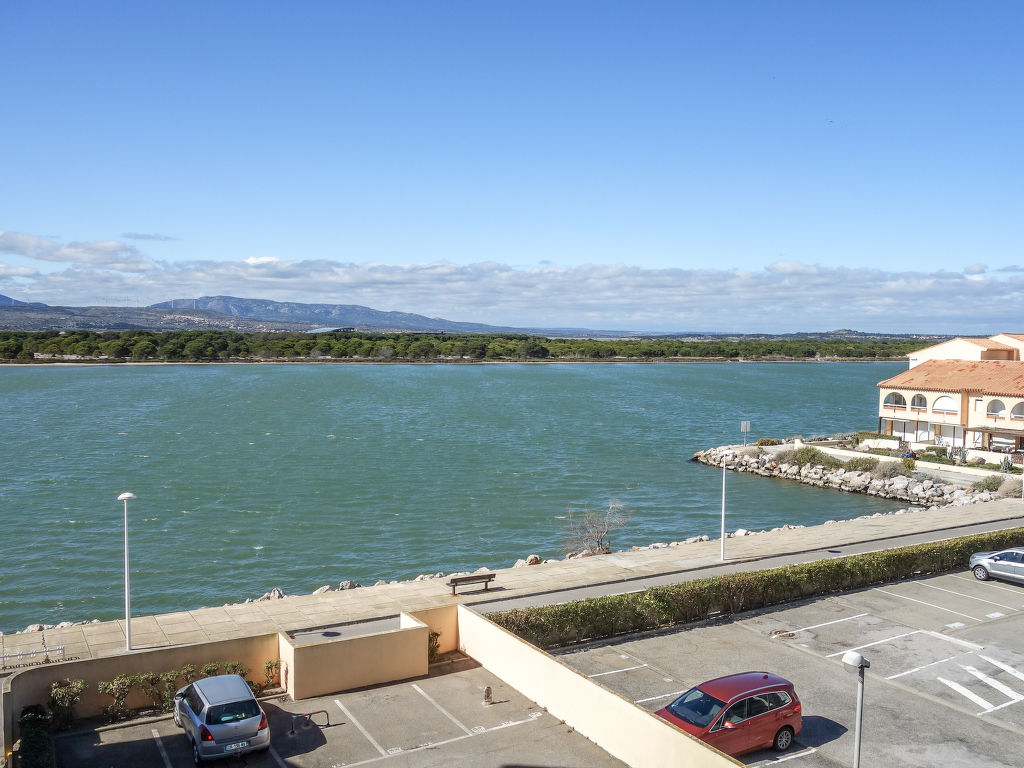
<point>473,578</point>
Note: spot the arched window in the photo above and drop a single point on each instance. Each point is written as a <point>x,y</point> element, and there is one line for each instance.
<point>1018,411</point>
<point>918,403</point>
<point>895,400</point>
<point>996,409</point>
<point>945,404</point>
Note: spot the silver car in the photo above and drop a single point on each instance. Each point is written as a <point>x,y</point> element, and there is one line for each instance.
<point>999,564</point>
<point>221,717</point>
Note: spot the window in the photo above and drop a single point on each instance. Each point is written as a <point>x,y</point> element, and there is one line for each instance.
<point>777,699</point>
<point>895,400</point>
<point>996,410</point>
<point>1018,411</point>
<point>945,404</point>
<point>736,714</point>
<point>918,403</point>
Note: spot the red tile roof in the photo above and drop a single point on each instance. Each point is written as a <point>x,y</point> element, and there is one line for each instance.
<point>989,377</point>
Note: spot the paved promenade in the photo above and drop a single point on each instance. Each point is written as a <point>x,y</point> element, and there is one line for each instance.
<point>538,584</point>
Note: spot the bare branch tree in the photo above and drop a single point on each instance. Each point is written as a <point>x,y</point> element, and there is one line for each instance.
<point>591,529</point>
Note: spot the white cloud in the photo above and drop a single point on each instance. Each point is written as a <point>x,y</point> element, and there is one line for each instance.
<point>784,296</point>
<point>7,270</point>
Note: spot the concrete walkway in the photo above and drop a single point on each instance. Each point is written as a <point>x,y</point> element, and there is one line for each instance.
<point>547,583</point>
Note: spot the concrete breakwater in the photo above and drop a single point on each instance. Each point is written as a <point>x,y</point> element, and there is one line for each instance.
<point>923,493</point>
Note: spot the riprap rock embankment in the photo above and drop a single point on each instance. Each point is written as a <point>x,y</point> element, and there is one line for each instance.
<point>927,493</point>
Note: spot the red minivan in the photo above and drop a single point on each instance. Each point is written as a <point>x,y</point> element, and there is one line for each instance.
<point>739,713</point>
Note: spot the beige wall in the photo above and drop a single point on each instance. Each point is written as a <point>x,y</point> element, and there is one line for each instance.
<point>617,725</point>
<point>444,620</point>
<point>329,666</point>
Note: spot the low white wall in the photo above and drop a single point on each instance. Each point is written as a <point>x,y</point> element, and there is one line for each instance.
<point>637,737</point>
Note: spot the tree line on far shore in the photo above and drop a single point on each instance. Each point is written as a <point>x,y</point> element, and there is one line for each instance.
<point>213,346</point>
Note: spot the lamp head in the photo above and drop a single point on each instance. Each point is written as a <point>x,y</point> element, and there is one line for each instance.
<point>855,660</point>
<point>125,496</point>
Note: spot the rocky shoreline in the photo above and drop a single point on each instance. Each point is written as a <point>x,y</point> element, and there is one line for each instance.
<point>931,494</point>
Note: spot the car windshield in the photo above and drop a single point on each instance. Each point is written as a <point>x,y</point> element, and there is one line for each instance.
<point>696,707</point>
<point>233,712</point>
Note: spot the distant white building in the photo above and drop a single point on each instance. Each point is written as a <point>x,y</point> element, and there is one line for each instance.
<point>964,393</point>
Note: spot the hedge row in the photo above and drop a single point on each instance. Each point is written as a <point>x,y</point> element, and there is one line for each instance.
<point>551,626</point>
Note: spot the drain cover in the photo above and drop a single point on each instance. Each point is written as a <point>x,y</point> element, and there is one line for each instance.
<point>786,635</point>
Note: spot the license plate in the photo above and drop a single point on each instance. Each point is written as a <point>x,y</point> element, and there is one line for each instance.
<point>238,745</point>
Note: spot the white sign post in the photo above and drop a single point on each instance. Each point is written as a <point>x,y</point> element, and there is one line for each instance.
<point>744,428</point>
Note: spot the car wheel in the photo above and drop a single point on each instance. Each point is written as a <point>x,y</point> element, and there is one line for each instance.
<point>980,573</point>
<point>783,739</point>
<point>198,759</point>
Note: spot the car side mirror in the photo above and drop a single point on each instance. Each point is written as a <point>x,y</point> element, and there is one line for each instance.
<point>996,558</point>
<point>729,725</point>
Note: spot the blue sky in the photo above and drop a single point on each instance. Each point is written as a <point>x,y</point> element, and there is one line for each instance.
<point>734,166</point>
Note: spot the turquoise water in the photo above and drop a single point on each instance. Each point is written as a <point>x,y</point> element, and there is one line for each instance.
<point>255,476</point>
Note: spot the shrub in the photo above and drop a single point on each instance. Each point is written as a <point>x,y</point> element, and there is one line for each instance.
<point>990,483</point>
<point>768,441</point>
<point>883,452</point>
<point>787,456</point>
<point>64,694</point>
<point>886,470</point>
<point>35,749</point>
<point>555,625</point>
<point>939,450</point>
<point>433,647</point>
<point>118,689</point>
<point>935,458</point>
<point>909,463</point>
<point>862,464</point>
<point>808,454</point>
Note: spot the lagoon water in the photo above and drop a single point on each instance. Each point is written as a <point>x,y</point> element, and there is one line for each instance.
<point>250,477</point>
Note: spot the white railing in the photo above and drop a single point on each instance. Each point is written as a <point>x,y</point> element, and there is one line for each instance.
<point>40,656</point>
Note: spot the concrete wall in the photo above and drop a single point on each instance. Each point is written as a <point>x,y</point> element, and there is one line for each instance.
<point>617,725</point>
<point>32,685</point>
<point>444,620</point>
<point>329,666</point>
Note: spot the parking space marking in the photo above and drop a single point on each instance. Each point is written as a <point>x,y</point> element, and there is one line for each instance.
<point>991,682</point>
<point>826,623</point>
<point>616,671</point>
<point>440,709</point>
<point>359,725</point>
<point>160,746</point>
<point>989,585</point>
<point>922,602</point>
<point>784,758</point>
<point>925,666</point>
<point>662,696</point>
<point>877,642</point>
<point>436,744</point>
<point>964,594</point>
<point>1005,667</point>
<point>969,694</point>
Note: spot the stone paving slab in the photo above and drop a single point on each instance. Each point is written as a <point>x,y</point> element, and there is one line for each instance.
<point>616,570</point>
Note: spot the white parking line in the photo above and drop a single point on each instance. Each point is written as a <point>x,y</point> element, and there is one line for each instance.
<point>662,696</point>
<point>1005,667</point>
<point>616,671</point>
<point>964,594</point>
<point>925,666</point>
<point>441,743</point>
<point>991,682</point>
<point>877,642</point>
<point>964,692</point>
<point>930,605</point>
<point>990,585</point>
<point>790,756</point>
<point>441,709</point>
<point>160,746</point>
<point>362,730</point>
<point>826,623</point>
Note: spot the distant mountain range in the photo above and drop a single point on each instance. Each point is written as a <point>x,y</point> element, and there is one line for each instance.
<point>264,315</point>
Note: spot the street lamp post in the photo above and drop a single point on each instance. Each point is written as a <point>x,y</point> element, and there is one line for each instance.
<point>723,508</point>
<point>855,661</point>
<point>127,579</point>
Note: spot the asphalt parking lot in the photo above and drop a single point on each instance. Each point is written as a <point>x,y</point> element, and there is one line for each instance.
<point>945,687</point>
<point>434,721</point>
